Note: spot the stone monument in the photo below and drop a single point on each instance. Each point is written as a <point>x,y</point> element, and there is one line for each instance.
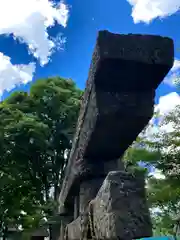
<point>99,199</point>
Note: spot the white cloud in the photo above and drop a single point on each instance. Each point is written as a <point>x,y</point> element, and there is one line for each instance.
<point>155,210</point>
<point>176,65</point>
<point>12,75</point>
<point>28,21</point>
<point>167,103</point>
<point>157,174</point>
<point>147,10</point>
<point>173,78</point>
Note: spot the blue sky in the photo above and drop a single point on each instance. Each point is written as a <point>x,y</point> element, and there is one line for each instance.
<point>29,30</point>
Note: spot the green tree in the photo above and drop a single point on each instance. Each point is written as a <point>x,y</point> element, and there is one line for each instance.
<point>163,153</point>
<point>36,131</point>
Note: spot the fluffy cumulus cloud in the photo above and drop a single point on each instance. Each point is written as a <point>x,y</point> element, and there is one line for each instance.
<point>157,174</point>
<point>12,75</point>
<point>147,10</point>
<point>176,65</point>
<point>166,104</point>
<point>28,22</point>
<point>173,78</point>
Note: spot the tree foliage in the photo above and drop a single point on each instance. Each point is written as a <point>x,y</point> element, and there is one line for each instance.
<point>36,130</point>
<point>160,152</point>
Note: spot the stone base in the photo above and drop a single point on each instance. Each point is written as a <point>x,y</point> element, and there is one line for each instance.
<point>63,228</point>
<point>79,228</point>
<point>74,229</point>
<point>120,210</point>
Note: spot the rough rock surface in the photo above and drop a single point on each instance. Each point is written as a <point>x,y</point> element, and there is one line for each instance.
<point>118,101</point>
<point>74,229</point>
<point>88,191</point>
<point>120,210</point>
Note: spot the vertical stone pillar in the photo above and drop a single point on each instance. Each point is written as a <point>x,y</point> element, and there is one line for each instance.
<point>91,185</point>
<point>120,210</point>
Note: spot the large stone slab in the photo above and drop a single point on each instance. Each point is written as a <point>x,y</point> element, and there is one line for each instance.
<point>118,101</point>
<point>120,210</point>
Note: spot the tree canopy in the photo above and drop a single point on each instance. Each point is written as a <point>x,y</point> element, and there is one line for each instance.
<point>160,152</point>
<point>36,130</point>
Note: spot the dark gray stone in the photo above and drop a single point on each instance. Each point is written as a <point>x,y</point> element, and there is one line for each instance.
<point>120,210</point>
<point>74,229</point>
<point>118,101</point>
<point>117,104</point>
<point>63,228</point>
<point>88,191</point>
